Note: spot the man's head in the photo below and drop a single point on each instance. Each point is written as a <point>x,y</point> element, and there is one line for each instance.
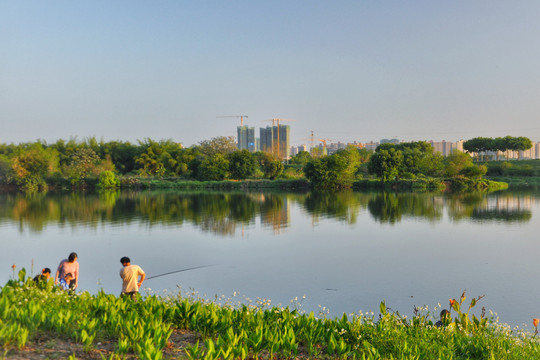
<point>125,261</point>
<point>445,314</point>
<point>72,257</point>
<point>46,272</point>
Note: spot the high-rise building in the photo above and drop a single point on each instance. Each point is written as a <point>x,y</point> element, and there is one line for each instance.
<point>275,140</point>
<point>246,138</point>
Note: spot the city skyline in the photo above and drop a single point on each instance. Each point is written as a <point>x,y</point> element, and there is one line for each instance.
<point>348,70</point>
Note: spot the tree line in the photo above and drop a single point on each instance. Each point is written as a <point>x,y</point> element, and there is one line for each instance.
<point>30,165</point>
<point>481,145</point>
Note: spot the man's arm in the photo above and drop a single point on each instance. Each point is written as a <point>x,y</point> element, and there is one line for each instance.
<point>141,277</point>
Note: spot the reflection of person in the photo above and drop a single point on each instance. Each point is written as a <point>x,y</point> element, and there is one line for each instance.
<point>132,276</point>
<point>44,276</point>
<point>68,266</point>
<point>445,318</point>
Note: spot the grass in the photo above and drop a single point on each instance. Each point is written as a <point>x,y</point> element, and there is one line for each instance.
<point>31,314</point>
<point>458,184</point>
<point>182,184</point>
<point>516,173</point>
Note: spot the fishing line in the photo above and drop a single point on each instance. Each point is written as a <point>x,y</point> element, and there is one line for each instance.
<point>177,271</point>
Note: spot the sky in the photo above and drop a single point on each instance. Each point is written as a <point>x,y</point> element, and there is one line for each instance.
<point>348,70</point>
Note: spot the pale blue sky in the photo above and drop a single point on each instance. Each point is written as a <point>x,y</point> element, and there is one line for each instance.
<point>348,70</point>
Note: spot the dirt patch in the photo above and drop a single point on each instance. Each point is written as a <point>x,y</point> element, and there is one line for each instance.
<point>46,347</point>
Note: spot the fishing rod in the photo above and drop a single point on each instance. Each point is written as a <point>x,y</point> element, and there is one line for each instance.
<point>177,271</point>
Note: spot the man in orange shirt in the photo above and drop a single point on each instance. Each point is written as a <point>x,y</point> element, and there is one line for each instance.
<point>132,276</point>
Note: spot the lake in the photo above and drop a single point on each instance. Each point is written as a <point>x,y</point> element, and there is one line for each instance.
<point>344,251</point>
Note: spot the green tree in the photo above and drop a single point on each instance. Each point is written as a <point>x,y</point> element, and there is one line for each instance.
<point>302,158</point>
<point>219,145</point>
<point>108,180</point>
<point>418,158</point>
<point>84,162</point>
<point>499,144</point>
<point>242,165</point>
<point>456,162</point>
<point>269,164</point>
<point>6,172</point>
<point>365,155</point>
<point>353,159</point>
<point>387,164</point>
<point>474,171</point>
<point>215,167</point>
<point>123,155</point>
<point>478,145</point>
<point>520,144</point>
<point>32,165</point>
<point>336,171</point>
<point>183,159</point>
<point>155,158</point>
<point>65,150</point>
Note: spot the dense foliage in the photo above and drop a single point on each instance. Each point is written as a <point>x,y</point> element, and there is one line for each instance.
<point>79,164</point>
<point>393,162</point>
<point>36,165</point>
<point>337,171</point>
<point>227,330</point>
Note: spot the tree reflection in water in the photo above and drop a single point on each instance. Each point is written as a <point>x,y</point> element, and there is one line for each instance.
<point>225,212</point>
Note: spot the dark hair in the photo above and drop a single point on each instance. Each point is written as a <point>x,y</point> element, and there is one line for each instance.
<point>444,313</point>
<point>46,270</point>
<point>125,260</point>
<point>72,257</point>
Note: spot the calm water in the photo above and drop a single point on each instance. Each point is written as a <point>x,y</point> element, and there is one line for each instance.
<point>344,251</point>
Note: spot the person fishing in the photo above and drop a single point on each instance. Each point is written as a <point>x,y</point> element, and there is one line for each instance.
<point>132,278</point>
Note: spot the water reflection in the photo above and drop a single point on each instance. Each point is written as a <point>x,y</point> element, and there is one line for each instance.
<point>225,213</point>
<point>391,207</point>
<point>498,207</point>
<point>343,205</point>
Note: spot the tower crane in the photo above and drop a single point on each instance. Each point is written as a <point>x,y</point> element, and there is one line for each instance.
<point>235,116</point>
<point>312,141</point>
<point>324,144</point>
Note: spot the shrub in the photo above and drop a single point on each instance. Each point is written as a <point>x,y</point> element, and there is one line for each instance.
<point>108,180</point>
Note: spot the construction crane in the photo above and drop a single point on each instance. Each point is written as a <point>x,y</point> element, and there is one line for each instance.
<point>324,144</point>
<point>274,122</point>
<point>235,116</point>
<point>312,141</point>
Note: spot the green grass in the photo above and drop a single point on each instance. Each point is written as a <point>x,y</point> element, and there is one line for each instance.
<point>433,184</point>
<point>239,331</point>
<point>182,184</point>
<point>517,173</point>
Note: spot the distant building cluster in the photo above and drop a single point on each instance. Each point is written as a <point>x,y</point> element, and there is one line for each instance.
<point>276,140</point>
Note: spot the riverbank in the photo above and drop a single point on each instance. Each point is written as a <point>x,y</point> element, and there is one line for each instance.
<point>42,321</point>
<point>458,184</point>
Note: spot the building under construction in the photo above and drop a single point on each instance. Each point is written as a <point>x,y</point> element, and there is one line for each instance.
<point>276,140</point>
<point>246,138</point>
